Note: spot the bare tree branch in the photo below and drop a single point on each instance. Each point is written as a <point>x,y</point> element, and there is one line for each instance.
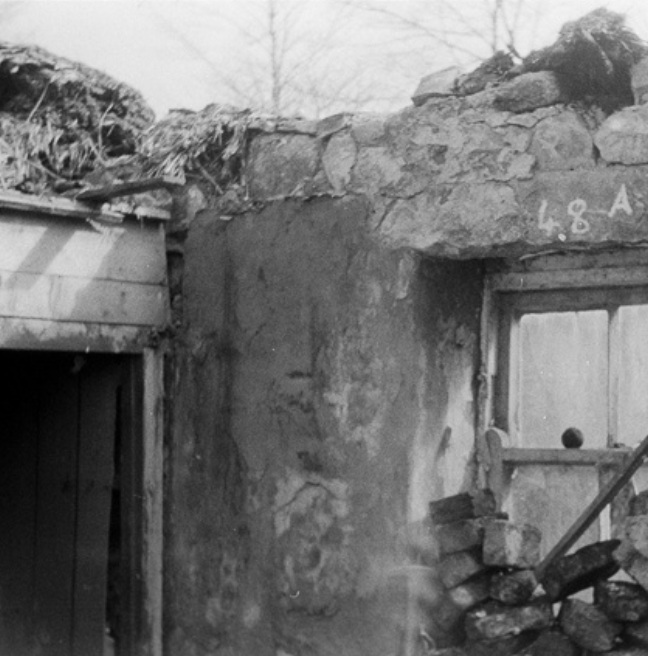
<point>460,29</point>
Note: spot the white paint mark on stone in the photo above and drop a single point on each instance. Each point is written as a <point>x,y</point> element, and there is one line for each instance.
<point>544,222</point>
<point>621,202</point>
<point>576,209</point>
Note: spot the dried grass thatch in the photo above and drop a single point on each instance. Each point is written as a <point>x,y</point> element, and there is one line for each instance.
<point>60,119</point>
<point>210,143</point>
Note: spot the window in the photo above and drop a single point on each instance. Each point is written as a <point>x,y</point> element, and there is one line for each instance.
<point>565,343</point>
<point>569,348</point>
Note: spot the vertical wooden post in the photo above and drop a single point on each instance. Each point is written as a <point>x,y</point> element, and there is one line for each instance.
<point>152,484</point>
<point>495,473</point>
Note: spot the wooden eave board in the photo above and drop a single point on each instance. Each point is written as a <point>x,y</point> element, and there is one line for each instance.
<point>129,188</point>
<point>129,251</point>
<point>66,207</point>
<point>102,281</point>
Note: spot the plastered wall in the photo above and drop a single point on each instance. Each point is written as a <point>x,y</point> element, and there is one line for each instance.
<point>315,375</point>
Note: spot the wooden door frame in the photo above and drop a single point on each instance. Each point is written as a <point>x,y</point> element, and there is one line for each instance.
<point>145,425</point>
<point>153,496</point>
<point>144,422</point>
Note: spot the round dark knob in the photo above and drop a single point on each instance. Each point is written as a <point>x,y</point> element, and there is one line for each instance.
<point>572,438</point>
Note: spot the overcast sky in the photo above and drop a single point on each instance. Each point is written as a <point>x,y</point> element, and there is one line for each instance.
<point>179,53</point>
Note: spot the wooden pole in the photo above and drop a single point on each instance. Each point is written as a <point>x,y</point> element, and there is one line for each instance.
<point>605,496</point>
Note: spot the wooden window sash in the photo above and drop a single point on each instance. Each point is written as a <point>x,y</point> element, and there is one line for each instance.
<point>621,277</point>
<point>613,361</point>
<point>549,291</point>
<point>514,456</point>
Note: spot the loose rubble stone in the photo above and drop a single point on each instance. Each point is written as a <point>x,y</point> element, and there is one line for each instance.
<point>448,619</point>
<point>461,535</point>
<point>507,544</point>
<point>459,567</point>
<point>507,646</point>
<point>528,92</point>
<point>495,620</point>
<point>639,81</point>
<point>588,626</point>
<point>551,643</point>
<point>580,570</point>
<point>471,593</point>
<point>441,83</point>
<point>636,533</point>
<point>621,600</point>
<point>623,137</point>
<point>513,588</point>
<point>636,633</point>
<point>563,142</point>
<point>467,505</point>
<point>632,563</point>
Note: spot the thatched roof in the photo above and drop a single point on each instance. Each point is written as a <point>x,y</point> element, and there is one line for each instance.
<point>209,143</point>
<point>60,119</point>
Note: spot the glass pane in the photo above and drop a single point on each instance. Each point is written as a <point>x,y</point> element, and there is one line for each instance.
<point>633,374</point>
<point>551,498</point>
<point>563,377</point>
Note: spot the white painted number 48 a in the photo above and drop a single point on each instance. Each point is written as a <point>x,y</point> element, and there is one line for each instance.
<point>578,224</point>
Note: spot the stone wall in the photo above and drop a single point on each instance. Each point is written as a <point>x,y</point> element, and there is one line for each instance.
<point>460,177</point>
<point>326,364</point>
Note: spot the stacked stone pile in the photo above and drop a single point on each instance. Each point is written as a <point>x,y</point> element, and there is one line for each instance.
<point>486,600</point>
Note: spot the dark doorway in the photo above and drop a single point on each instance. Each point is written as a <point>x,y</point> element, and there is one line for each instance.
<point>68,503</point>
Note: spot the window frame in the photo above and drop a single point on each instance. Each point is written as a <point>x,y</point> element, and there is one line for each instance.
<point>550,283</point>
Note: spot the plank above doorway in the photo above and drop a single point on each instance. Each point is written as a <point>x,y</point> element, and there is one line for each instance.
<point>77,277</point>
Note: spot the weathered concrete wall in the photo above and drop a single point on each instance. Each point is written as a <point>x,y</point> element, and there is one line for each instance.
<point>316,374</point>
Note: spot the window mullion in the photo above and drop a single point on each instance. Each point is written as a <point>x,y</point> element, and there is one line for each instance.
<point>514,396</point>
<point>614,360</point>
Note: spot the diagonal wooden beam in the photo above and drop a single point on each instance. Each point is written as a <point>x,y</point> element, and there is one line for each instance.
<point>602,499</point>
<point>102,194</point>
